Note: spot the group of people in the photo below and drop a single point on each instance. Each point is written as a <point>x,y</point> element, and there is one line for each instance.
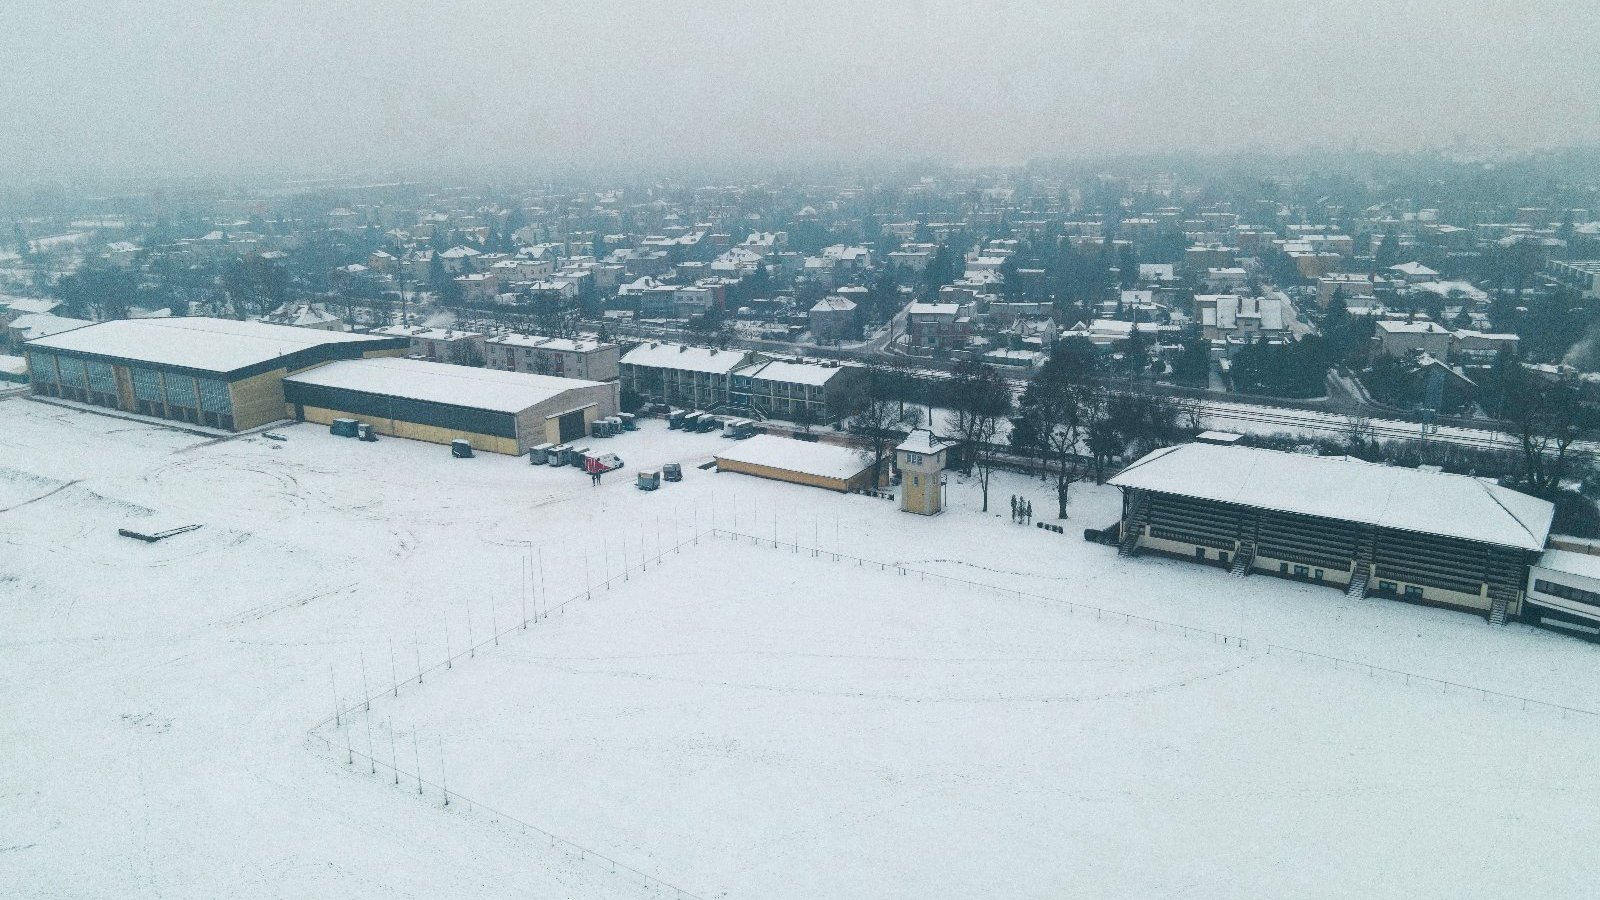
<point>1021,510</point>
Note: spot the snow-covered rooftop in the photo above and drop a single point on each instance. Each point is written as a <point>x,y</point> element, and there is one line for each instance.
<point>685,358</point>
<point>216,345</point>
<point>835,303</point>
<point>790,372</point>
<point>434,382</point>
<point>25,305</point>
<point>1350,490</point>
<point>790,455</point>
<point>427,333</point>
<point>1412,327</point>
<point>921,440</point>
<point>1585,565</point>
<point>33,326</point>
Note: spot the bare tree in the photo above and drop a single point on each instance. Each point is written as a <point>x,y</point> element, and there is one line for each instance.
<point>877,419</point>
<point>1547,422</point>
<point>979,400</point>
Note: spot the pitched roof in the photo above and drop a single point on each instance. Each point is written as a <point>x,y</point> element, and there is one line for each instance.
<point>921,440</point>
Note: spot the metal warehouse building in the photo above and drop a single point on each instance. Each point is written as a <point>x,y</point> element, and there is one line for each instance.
<point>219,373</point>
<point>502,412</point>
<point>1446,540</point>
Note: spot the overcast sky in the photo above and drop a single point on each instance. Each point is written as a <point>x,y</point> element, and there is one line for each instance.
<point>300,86</point>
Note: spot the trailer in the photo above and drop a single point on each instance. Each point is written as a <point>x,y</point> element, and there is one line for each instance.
<point>343,428</point>
<point>461,448</point>
<point>648,481</point>
<point>540,455</point>
<point>364,432</point>
<point>556,455</point>
<point>630,422</point>
<point>708,422</point>
<point>675,418</point>
<point>573,456</point>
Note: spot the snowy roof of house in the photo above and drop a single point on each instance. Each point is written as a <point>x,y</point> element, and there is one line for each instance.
<point>685,358</point>
<point>24,305</point>
<point>1395,327</point>
<point>1345,489</point>
<point>933,309</point>
<point>458,252</point>
<point>1469,334</point>
<point>434,382</point>
<point>195,342</point>
<point>1412,268</point>
<point>921,440</point>
<point>804,457</point>
<point>790,372</point>
<point>834,304</point>
<point>1230,309</point>
<point>13,365</point>
<point>301,314</point>
<point>426,333</point>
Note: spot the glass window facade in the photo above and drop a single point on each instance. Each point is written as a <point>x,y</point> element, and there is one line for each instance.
<point>42,368</point>
<point>180,390</point>
<point>73,374</point>
<point>146,385</point>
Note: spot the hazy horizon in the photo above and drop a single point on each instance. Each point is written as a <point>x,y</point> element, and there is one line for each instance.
<point>160,87</point>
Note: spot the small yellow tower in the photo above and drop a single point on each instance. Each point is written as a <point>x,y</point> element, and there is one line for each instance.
<point>921,459</point>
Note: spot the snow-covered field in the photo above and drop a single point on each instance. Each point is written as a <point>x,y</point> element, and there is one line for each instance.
<point>732,718</point>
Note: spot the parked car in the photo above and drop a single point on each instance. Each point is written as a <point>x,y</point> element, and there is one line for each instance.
<point>672,472</point>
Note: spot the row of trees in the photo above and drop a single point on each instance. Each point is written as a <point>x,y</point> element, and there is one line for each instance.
<point>1064,418</point>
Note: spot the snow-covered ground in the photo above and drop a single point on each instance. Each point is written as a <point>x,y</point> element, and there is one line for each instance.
<point>731,718</point>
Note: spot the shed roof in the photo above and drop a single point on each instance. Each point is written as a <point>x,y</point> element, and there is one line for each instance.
<point>803,457</point>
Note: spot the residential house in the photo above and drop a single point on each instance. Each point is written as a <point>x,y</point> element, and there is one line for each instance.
<point>582,358</point>
<point>693,377</point>
<point>834,318</point>
<point>447,345</point>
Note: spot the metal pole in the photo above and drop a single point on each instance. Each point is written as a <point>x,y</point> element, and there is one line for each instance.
<point>416,756</point>
<point>444,784</point>
<point>334,685</point>
<point>544,589</point>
